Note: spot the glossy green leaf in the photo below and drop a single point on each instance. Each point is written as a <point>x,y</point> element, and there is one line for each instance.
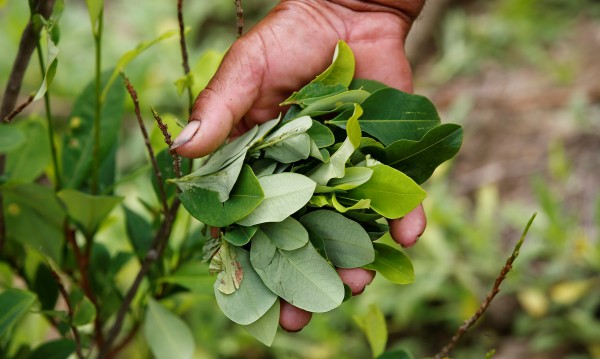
<point>335,103</point>
<point>240,235</point>
<point>54,349</point>
<point>341,70</point>
<point>130,55</point>
<point>343,208</point>
<point>392,264</point>
<point>392,193</point>
<point>78,142</point>
<point>374,327</point>
<point>265,328</point>
<point>194,276</point>
<point>31,209</point>
<point>335,167</point>
<point>353,177</point>
<point>321,134</point>
<point>290,150</point>
<point>11,137</point>
<point>284,194</point>
<point>312,93</point>
<point>418,159</point>
<point>167,335</point>
<point>302,277</point>
<point>346,242</point>
<point>87,211</point>
<point>15,303</point>
<point>28,161</point>
<point>228,269</point>
<point>288,234</point>
<point>205,205</point>
<point>367,85</point>
<point>391,115</point>
<point>251,300</point>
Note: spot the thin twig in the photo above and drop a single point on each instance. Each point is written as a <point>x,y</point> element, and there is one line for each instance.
<point>18,109</point>
<point>156,250</point>
<point>167,136</point>
<point>239,14</point>
<point>157,174</point>
<point>184,53</point>
<point>70,312</point>
<point>486,303</point>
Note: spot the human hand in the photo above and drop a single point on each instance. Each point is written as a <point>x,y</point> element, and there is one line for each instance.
<point>282,53</point>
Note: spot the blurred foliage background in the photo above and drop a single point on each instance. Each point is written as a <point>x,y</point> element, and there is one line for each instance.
<point>521,76</point>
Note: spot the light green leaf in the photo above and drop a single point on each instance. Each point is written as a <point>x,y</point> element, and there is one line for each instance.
<point>315,152</point>
<point>287,130</point>
<point>15,303</point>
<point>240,235</point>
<point>367,85</point>
<point>50,71</point>
<point>229,271</point>
<point>335,167</point>
<point>264,167</point>
<point>130,55</point>
<point>347,244</point>
<point>204,69</point>
<point>321,134</point>
<point>361,204</point>
<point>11,137</point>
<point>84,311</point>
<point>265,328</point>
<point>320,201</point>
<point>313,92</point>
<point>302,277</point>
<point>353,177</point>
<point>341,70</point>
<point>251,300</point>
<point>288,234</point>
<point>291,149</point>
<point>28,161</point>
<point>167,335</point>
<point>54,349</point>
<point>95,8</point>
<point>87,211</point>
<point>392,193</point>
<point>194,276</point>
<point>392,264</point>
<point>335,103</point>
<point>374,327</point>
<point>205,205</point>
<point>284,194</point>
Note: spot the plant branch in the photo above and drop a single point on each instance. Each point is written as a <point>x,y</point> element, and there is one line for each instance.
<point>486,303</point>
<point>98,105</point>
<point>239,14</point>
<point>156,250</point>
<point>65,295</point>
<point>184,53</point>
<point>157,174</point>
<point>18,109</point>
<point>167,136</point>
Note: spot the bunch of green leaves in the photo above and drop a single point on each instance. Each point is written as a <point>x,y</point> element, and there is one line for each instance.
<point>297,196</point>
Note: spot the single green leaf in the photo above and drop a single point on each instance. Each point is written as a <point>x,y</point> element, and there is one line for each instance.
<point>229,270</point>
<point>313,92</point>
<point>139,232</point>
<point>320,201</point>
<point>392,193</point>
<point>87,211</point>
<point>95,8</point>
<point>288,234</point>
<point>240,235</point>
<point>335,103</point>
<point>194,276</point>
<point>84,311</point>
<point>28,161</point>
<point>418,159</point>
<point>374,327</point>
<point>284,194</point>
<point>315,152</point>
<point>341,70</point>
<point>336,166</point>
<point>347,244</point>
<point>392,264</point>
<point>286,130</point>
<point>353,177</point>
<point>265,328</point>
<point>302,277</point>
<point>15,303</point>
<point>130,55</point>
<point>11,137</point>
<point>44,285</point>
<point>31,209</point>
<point>290,150</point>
<point>367,85</point>
<point>391,115</point>
<point>321,134</point>
<point>205,205</point>
<point>78,142</point>
<point>50,71</point>
<point>264,167</point>
<point>167,335</point>
<point>343,208</point>
<point>251,300</point>
<point>54,349</point>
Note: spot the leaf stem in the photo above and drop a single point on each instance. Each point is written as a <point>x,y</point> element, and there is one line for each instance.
<point>184,53</point>
<point>486,303</point>
<point>98,105</point>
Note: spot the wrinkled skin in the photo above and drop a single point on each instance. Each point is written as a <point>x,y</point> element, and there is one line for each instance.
<point>281,54</point>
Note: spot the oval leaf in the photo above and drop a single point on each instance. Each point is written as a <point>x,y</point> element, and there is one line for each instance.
<point>392,264</point>
<point>167,335</point>
<point>14,303</point>
<point>265,328</point>
<point>288,234</point>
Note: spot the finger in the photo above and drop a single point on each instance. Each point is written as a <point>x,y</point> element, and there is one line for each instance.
<point>407,230</point>
<point>292,319</point>
<point>356,278</point>
<point>227,97</point>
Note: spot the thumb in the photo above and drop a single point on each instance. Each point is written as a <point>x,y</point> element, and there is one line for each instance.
<point>227,97</point>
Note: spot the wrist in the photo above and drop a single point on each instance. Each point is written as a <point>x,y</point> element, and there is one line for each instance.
<point>407,9</point>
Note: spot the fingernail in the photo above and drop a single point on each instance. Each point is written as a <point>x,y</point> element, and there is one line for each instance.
<point>187,134</point>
